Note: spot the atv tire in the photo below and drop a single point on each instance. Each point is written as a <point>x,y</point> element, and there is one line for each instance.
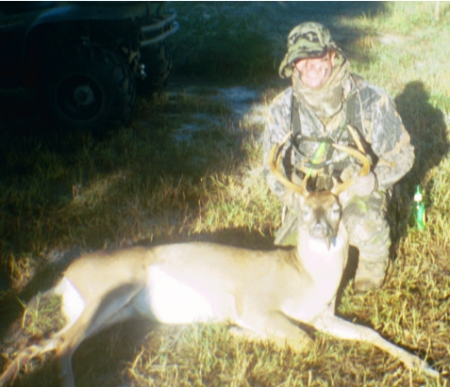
<point>158,67</point>
<point>86,88</point>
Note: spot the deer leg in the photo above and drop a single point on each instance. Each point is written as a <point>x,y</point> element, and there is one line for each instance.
<point>24,357</point>
<point>277,328</point>
<point>113,308</point>
<point>98,314</point>
<point>329,323</point>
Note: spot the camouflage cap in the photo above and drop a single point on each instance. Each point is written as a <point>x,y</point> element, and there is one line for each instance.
<point>307,40</point>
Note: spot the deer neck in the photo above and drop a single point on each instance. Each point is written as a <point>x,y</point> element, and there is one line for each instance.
<point>324,265</point>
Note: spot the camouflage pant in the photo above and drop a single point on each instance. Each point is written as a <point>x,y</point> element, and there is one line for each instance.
<point>368,230</point>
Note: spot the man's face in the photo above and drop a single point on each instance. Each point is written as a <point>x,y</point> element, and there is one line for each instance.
<point>314,72</point>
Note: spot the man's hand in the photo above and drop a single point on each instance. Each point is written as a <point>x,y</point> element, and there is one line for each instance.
<point>362,186</point>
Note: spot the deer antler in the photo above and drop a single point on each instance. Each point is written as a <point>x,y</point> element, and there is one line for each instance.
<point>274,163</point>
<point>275,160</point>
<point>337,189</point>
<point>356,138</point>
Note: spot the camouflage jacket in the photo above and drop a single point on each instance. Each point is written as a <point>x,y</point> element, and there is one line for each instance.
<point>368,109</point>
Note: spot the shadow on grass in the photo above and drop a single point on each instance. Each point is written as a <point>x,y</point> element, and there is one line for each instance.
<point>427,128</point>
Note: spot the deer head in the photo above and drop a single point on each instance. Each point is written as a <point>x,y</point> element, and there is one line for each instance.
<point>320,211</point>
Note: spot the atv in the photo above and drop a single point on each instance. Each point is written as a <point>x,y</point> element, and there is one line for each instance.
<point>85,60</point>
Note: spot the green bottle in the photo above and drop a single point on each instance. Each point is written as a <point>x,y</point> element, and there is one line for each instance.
<point>419,209</point>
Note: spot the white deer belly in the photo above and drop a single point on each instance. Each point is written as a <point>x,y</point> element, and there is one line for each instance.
<point>170,301</point>
<point>72,302</point>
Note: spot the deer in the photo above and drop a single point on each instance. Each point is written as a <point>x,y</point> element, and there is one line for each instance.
<point>262,294</point>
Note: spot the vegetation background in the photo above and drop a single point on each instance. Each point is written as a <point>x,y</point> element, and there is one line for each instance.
<point>188,168</point>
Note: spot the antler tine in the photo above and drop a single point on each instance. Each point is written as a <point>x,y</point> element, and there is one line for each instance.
<point>359,155</point>
<point>274,163</point>
<point>356,139</point>
<point>364,170</point>
<point>275,159</point>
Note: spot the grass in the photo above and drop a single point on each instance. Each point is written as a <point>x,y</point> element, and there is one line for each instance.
<point>185,170</point>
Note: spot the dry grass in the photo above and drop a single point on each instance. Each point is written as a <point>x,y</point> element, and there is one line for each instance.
<point>186,170</point>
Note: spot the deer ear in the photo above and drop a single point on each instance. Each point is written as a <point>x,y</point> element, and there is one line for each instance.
<point>339,192</point>
<point>335,182</point>
<point>298,202</point>
<point>292,199</point>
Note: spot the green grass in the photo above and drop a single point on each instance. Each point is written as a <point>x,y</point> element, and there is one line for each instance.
<point>63,194</point>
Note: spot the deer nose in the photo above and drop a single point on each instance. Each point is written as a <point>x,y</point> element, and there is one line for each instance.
<point>321,230</point>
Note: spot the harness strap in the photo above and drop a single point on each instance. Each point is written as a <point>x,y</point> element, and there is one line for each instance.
<point>298,138</point>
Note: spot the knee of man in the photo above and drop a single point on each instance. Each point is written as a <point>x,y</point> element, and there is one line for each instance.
<point>370,275</point>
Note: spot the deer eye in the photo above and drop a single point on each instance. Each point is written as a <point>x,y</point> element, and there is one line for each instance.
<point>306,211</point>
<point>336,209</point>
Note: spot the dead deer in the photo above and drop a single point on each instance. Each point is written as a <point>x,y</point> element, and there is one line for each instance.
<point>263,293</point>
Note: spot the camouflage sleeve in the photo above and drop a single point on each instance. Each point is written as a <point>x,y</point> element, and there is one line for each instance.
<point>277,126</point>
<point>391,143</point>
